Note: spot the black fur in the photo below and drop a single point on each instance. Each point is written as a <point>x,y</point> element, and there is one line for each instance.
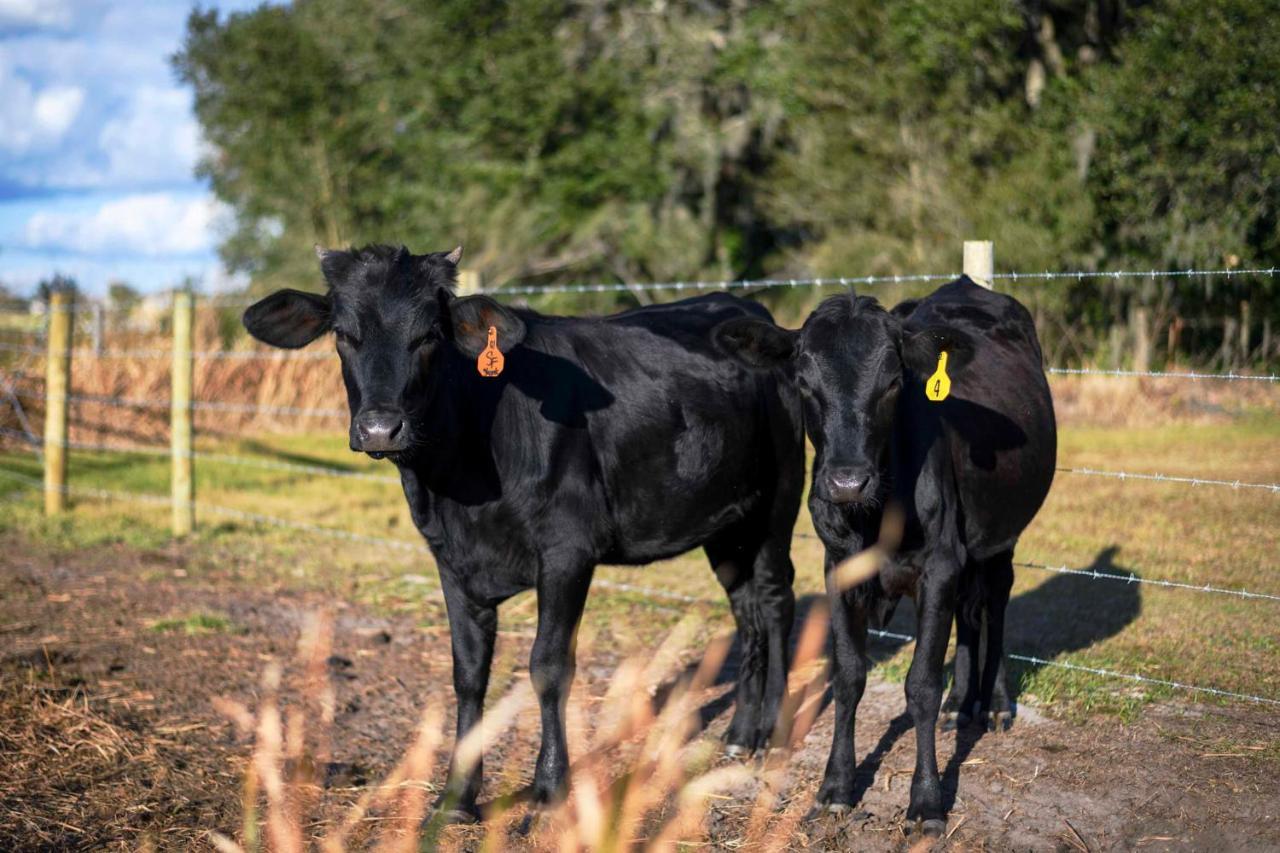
<point>624,439</point>
<point>967,473</point>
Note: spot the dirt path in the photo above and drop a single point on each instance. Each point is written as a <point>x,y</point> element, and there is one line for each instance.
<point>109,737</point>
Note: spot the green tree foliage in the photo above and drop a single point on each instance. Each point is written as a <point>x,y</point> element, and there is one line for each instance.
<point>633,141</point>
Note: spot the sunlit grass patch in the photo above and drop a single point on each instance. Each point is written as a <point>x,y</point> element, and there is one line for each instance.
<point>196,623</point>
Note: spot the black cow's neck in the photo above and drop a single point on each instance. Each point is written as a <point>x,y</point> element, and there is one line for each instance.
<point>453,457</point>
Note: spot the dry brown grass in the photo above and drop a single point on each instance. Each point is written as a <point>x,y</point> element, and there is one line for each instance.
<point>644,779</point>
<point>82,774</point>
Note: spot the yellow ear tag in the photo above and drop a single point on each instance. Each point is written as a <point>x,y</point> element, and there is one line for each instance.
<point>490,361</point>
<point>938,386</point>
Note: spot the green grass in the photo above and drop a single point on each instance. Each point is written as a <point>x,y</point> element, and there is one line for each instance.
<point>1156,530</point>
<point>196,623</point>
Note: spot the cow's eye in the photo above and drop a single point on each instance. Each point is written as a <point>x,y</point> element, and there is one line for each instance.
<point>347,339</point>
<point>419,342</point>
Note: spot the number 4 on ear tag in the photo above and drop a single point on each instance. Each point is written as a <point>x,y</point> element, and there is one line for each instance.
<point>490,361</point>
<point>938,386</point>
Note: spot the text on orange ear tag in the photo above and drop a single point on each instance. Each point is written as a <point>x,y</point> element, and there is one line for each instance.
<point>938,386</point>
<point>490,361</point>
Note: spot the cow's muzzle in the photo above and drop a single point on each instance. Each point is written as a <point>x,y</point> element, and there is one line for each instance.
<point>379,431</point>
<point>847,485</point>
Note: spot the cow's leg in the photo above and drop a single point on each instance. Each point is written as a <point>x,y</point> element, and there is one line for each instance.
<point>734,566</point>
<point>775,601</point>
<point>957,710</point>
<point>849,666</point>
<point>997,582</point>
<point>935,604</point>
<point>472,628</point>
<point>562,594</point>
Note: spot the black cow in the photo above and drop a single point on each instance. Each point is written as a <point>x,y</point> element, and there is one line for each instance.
<point>624,440</point>
<point>968,472</point>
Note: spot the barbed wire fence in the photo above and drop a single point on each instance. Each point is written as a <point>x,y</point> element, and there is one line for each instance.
<point>25,438</point>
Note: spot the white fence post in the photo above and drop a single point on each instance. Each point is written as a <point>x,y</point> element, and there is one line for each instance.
<point>980,262</point>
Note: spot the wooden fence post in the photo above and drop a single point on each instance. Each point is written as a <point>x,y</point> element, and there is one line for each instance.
<point>56,382</point>
<point>99,328</point>
<point>180,416</point>
<point>470,282</point>
<point>980,262</point>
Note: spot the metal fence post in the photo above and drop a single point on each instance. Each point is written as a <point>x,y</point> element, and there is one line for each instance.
<point>980,262</point>
<point>470,282</point>
<point>57,380</point>
<point>180,415</point>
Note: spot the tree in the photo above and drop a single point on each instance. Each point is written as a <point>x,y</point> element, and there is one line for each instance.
<point>121,297</point>
<point>59,283</point>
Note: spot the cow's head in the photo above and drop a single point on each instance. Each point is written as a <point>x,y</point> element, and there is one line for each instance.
<point>393,314</point>
<point>849,361</point>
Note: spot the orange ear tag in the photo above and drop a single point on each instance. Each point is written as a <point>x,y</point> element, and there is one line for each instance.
<point>490,361</point>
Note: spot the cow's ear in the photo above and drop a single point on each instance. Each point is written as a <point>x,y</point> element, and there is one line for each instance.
<point>920,349</point>
<point>288,318</point>
<point>756,343</point>
<point>470,319</point>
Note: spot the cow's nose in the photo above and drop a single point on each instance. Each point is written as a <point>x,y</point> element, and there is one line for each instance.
<point>846,485</point>
<point>379,432</point>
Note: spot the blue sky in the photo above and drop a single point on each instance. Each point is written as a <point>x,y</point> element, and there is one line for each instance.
<point>98,147</point>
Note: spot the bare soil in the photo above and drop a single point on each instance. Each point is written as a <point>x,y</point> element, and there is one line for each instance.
<point>109,738</point>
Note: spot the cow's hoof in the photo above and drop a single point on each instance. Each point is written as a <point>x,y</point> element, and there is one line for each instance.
<point>949,721</point>
<point>737,750</point>
<point>463,816</point>
<point>932,828</point>
<point>835,811</point>
<point>999,721</point>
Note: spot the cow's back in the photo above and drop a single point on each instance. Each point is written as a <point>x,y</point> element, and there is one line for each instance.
<point>998,422</point>
<point>691,442</point>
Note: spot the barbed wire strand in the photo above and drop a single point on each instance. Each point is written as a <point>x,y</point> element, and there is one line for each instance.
<point>1132,578</point>
<point>199,405</point>
<point>1274,488</point>
<point>201,455</point>
<point>1229,376</point>
<point>207,355</point>
<point>235,300</point>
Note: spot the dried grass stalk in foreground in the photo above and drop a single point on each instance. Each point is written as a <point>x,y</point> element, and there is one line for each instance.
<point>646,781</point>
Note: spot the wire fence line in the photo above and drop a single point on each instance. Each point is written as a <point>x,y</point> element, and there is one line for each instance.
<point>223,458</point>
<point>237,301</point>
<point>1164,478</point>
<point>635,589</point>
<point>1229,376</point>
<point>207,355</point>
<point>1132,578</point>
<point>199,405</point>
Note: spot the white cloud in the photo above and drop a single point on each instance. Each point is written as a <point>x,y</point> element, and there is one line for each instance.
<point>30,118</point>
<point>56,107</point>
<point>147,224</point>
<point>155,139</point>
<point>34,14</point>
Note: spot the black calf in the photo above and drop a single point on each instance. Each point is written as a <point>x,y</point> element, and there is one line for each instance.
<point>625,439</point>
<point>968,471</point>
